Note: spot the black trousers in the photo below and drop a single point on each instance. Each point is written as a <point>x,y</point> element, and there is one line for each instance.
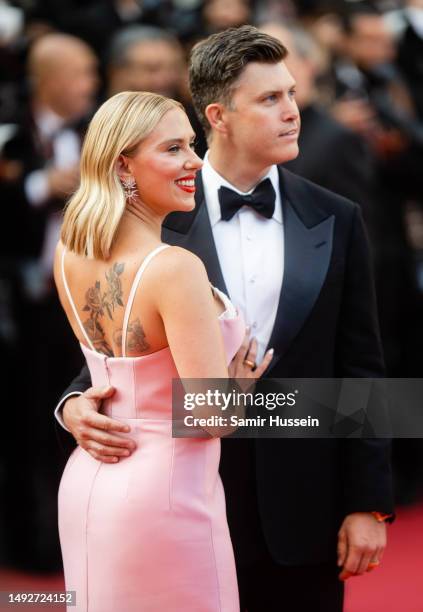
<point>264,585</point>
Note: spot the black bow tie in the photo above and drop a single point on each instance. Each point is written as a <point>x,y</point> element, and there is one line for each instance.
<point>262,200</point>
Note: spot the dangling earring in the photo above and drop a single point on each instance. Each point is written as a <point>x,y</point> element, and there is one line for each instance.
<point>130,188</point>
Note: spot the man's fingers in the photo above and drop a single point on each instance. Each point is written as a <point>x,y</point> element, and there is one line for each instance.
<point>103,458</point>
<point>364,563</point>
<point>342,548</point>
<point>376,559</point>
<point>345,574</point>
<point>99,393</point>
<point>105,439</point>
<point>353,560</point>
<point>107,451</point>
<point>105,423</point>
<point>93,438</point>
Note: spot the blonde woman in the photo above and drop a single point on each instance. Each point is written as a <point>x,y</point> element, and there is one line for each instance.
<point>148,533</point>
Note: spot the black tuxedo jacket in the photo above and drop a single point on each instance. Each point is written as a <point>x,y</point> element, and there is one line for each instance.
<point>347,166</point>
<point>325,326</point>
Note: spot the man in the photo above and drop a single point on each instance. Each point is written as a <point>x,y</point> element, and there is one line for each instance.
<point>290,503</point>
<point>148,58</point>
<point>62,74</point>
<point>145,58</point>
<point>44,153</point>
<point>410,52</point>
<point>97,21</point>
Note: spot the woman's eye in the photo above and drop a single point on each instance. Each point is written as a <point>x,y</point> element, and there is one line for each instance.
<point>174,148</point>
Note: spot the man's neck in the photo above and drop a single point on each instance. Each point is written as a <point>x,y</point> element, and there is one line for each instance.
<point>235,168</point>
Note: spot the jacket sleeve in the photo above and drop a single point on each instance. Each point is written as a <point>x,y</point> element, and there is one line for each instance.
<point>367,474</point>
<point>79,384</point>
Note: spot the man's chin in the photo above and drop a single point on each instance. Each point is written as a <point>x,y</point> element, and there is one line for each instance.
<point>287,154</point>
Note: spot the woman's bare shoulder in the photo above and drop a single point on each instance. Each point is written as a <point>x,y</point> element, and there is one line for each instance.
<point>180,270</point>
<point>177,260</point>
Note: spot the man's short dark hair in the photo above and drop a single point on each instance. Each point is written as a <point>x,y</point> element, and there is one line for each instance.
<point>217,62</point>
<point>353,10</point>
<point>128,37</point>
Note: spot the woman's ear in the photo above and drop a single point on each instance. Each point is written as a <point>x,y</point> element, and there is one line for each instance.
<point>122,168</point>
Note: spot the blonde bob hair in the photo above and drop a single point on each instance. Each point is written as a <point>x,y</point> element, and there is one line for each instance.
<point>93,213</point>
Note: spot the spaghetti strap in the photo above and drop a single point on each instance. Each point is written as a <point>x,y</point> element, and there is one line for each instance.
<point>134,287</point>
<point>75,312</point>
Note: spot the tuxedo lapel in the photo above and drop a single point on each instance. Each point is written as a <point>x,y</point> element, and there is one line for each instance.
<point>193,231</point>
<point>308,247</point>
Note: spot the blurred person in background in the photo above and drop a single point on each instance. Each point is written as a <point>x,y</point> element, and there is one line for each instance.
<point>148,58</point>
<point>95,21</point>
<point>364,72</point>
<point>221,14</point>
<point>11,70</point>
<point>410,52</point>
<point>408,454</point>
<point>145,58</point>
<point>371,99</point>
<point>44,155</point>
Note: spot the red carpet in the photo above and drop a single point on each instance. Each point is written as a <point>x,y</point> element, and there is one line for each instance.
<point>397,586</point>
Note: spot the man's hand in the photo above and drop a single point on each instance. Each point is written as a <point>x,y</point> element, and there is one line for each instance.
<point>356,115</point>
<point>93,431</point>
<point>361,540</point>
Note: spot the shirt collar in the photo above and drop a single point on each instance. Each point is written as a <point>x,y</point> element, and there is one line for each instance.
<point>48,122</point>
<point>212,181</point>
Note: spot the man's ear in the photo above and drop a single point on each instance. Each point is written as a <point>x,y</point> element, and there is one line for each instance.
<point>122,168</point>
<point>215,114</point>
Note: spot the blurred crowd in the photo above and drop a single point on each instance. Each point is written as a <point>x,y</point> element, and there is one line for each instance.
<point>359,72</point>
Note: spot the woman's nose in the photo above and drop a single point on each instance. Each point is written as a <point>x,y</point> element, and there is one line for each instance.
<point>194,162</point>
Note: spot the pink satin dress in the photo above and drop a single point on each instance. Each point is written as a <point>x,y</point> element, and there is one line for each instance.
<point>149,533</point>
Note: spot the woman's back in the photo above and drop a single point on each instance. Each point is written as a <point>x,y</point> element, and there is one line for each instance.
<point>109,311</point>
<point>162,509</point>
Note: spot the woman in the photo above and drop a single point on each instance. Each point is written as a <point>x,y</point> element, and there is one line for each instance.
<point>149,533</point>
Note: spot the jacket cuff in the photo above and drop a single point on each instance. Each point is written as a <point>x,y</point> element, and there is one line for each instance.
<point>59,408</point>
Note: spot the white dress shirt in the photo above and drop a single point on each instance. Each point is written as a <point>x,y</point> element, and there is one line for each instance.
<point>66,153</point>
<point>250,249</point>
<point>66,146</point>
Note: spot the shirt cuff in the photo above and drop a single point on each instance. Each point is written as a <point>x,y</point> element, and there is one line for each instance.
<point>59,408</point>
<point>36,188</point>
<point>380,516</point>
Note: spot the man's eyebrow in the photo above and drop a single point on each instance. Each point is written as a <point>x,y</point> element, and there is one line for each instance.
<point>279,89</point>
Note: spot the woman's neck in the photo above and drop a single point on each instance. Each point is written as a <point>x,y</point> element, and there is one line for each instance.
<point>138,227</point>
